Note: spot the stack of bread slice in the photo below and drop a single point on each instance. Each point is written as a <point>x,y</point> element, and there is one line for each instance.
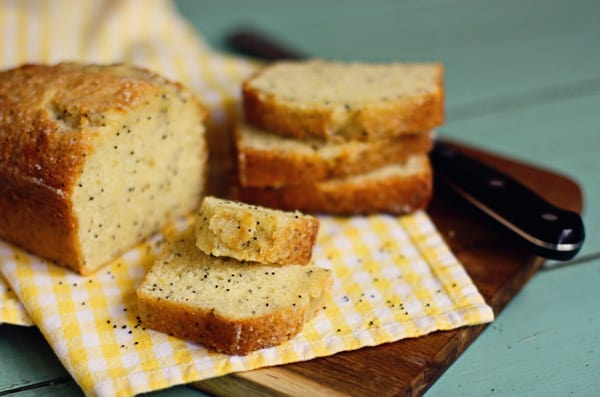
<point>331,137</point>
<point>236,281</point>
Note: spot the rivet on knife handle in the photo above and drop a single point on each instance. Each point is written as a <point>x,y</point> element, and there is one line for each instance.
<point>550,231</point>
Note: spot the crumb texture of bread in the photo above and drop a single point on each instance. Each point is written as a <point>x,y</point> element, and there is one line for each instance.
<point>267,159</point>
<point>345,101</point>
<point>94,158</point>
<point>253,233</point>
<point>396,188</point>
<point>227,305</point>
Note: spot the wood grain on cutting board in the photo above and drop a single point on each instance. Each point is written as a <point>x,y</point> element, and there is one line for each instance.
<point>498,264</point>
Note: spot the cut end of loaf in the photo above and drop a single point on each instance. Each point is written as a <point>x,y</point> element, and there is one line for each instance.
<point>147,167</point>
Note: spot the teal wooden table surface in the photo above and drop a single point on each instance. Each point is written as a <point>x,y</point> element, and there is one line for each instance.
<point>522,79</point>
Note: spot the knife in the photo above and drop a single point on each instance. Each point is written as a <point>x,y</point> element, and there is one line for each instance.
<point>549,231</point>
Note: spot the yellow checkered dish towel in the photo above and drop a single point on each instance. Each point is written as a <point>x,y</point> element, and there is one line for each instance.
<point>12,310</point>
<point>394,277</point>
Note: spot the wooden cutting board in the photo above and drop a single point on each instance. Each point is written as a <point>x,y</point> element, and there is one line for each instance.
<point>496,262</point>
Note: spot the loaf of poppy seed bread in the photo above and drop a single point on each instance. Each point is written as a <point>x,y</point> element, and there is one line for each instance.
<point>94,158</point>
<point>345,101</point>
<point>227,305</point>
<point>268,159</point>
<point>397,188</point>
<point>252,233</point>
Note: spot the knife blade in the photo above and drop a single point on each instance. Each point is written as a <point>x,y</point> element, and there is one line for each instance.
<point>549,231</point>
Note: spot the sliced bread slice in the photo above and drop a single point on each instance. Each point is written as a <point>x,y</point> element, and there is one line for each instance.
<point>396,188</point>
<point>253,233</point>
<point>345,101</point>
<point>230,306</point>
<point>266,159</point>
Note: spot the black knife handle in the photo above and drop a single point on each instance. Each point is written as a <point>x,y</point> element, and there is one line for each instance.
<point>552,232</point>
<point>250,42</point>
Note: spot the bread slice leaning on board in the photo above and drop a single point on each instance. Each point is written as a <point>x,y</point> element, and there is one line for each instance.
<point>338,101</point>
<point>95,158</point>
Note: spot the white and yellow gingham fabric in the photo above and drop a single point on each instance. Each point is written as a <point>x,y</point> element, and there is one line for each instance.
<point>12,310</point>
<point>394,277</point>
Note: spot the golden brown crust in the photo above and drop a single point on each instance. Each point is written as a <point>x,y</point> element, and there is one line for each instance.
<point>273,167</point>
<point>48,115</point>
<point>40,157</point>
<point>407,115</point>
<point>39,219</point>
<point>397,194</point>
<point>230,336</point>
<point>49,118</point>
<point>264,111</point>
